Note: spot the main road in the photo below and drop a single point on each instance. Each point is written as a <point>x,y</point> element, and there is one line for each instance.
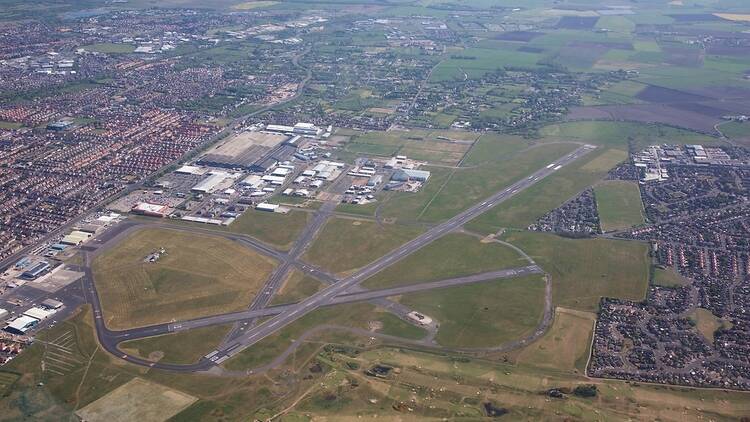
<point>327,295</point>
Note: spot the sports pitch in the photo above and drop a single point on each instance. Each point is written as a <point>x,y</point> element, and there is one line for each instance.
<point>138,400</point>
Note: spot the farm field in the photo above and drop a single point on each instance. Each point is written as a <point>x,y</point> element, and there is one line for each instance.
<point>619,205</point>
<point>483,315</point>
<point>197,276</point>
<point>613,268</point>
<point>345,244</point>
<point>454,255</point>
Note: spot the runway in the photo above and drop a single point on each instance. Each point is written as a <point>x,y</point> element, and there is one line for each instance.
<point>339,291</point>
<point>327,295</point>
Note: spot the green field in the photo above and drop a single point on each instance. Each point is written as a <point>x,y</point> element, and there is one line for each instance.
<point>668,277</point>
<point>585,270</point>
<point>110,48</point>
<point>476,62</point>
<point>443,387</point>
<point>707,323</point>
<point>529,205</point>
<point>566,346</point>
<point>484,314</point>
<point>394,326</point>
<point>180,348</point>
<point>297,286</point>
<point>454,255</point>
<point>736,130</point>
<point>280,230</point>
<point>9,125</point>
<point>620,134</point>
<point>41,394</point>
<point>424,145</point>
<point>199,275</point>
<point>491,165</point>
<point>357,315</point>
<point>619,205</point>
<point>345,244</point>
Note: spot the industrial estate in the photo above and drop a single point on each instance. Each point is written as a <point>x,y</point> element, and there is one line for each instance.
<point>374,209</point>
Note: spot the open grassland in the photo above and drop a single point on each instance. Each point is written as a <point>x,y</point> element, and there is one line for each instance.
<point>531,204</point>
<point>394,326</point>
<point>565,347</point>
<point>454,255</point>
<point>471,185</point>
<point>279,230</point>
<point>7,379</point>
<point>421,383</point>
<point>619,205</point>
<point>707,323</point>
<point>110,48</point>
<point>248,5</point>
<point>297,286</point>
<point>135,401</point>
<point>495,162</point>
<point>736,130</point>
<point>183,347</point>
<point>356,315</point>
<point>441,386</point>
<point>434,146</point>
<point>198,276</point>
<point>345,244</point>
<point>275,229</point>
<point>584,270</point>
<point>485,314</point>
<point>9,125</point>
<point>668,277</point>
<point>620,134</point>
<point>477,62</point>
<point>41,394</point>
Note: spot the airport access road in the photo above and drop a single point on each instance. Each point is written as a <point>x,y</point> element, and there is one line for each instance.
<point>325,296</point>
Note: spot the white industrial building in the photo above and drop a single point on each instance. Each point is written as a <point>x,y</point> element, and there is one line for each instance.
<point>149,209</point>
<point>280,128</point>
<point>211,183</point>
<point>22,324</point>
<point>40,313</point>
<point>194,170</point>
<point>253,181</point>
<point>265,206</point>
<point>405,175</point>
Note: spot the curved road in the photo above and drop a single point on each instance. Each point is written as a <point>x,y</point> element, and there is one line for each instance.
<point>336,292</point>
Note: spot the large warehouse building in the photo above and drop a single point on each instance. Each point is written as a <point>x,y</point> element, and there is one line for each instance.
<point>243,150</point>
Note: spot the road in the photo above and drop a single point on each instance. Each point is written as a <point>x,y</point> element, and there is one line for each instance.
<point>365,295</point>
<point>282,272</point>
<point>233,125</point>
<point>325,296</point>
<point>339,291</point>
